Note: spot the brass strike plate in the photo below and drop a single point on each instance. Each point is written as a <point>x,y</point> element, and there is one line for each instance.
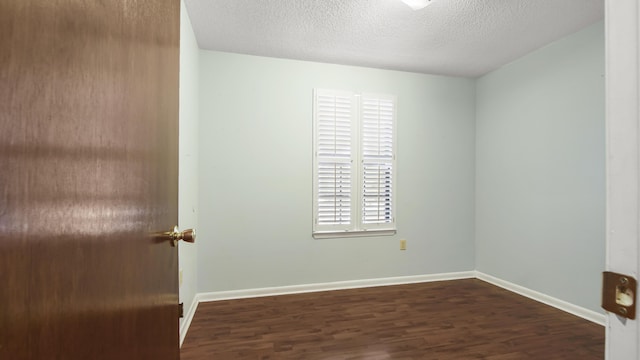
<point>619,294</point>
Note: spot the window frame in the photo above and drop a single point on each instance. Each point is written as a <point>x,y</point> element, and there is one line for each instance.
<point>357,226</point>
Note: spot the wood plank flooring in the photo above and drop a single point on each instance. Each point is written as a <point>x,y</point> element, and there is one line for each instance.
<point>460,319</point>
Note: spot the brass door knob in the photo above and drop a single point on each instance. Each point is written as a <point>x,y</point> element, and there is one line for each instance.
<point>176,235</point>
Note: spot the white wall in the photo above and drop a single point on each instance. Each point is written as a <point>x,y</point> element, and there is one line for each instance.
<point>188,167</point>
<point>255,175</point>
<point>540,192</point>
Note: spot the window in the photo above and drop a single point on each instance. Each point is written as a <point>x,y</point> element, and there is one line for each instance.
<point>354,164</point>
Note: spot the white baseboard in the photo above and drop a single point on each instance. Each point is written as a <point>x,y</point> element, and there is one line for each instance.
<point>338,285</point>
<point>188,317</point>
<point>576,310</point>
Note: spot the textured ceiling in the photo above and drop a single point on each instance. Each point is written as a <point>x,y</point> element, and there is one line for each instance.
<point>449,37</point>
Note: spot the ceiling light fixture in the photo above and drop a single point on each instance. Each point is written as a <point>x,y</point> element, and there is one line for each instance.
<point>417,4</point>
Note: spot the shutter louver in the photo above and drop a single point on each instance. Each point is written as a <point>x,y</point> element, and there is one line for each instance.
<point>378,160</point>
<point>334,152</point>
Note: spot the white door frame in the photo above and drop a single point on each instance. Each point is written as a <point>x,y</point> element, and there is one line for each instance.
<point>623,162</point>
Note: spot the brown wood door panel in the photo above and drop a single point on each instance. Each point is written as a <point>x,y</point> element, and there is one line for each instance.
<point>88,170</point>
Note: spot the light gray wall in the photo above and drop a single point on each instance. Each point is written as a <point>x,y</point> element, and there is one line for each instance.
<point>255,163</point>
<point>188,175</point>
<point>540,191</point>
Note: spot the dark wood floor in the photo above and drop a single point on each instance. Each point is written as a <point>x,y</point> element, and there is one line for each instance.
<point>461,319</point>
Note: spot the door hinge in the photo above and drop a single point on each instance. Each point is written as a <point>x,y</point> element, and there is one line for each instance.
<point>181,310</point>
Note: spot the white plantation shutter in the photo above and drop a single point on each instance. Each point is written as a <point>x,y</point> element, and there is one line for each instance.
<point>334,129</point>
<point>334,194</point>
<point>354,162</point>
<point>377,122</point>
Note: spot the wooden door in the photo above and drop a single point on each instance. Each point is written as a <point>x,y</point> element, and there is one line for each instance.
<point>623,163</point>
<point>88,170</point>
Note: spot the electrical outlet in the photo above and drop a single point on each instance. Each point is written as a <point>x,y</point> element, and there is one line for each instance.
<point>403,244</point>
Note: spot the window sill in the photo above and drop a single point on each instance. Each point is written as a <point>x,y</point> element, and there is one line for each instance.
<point>349,234</point>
